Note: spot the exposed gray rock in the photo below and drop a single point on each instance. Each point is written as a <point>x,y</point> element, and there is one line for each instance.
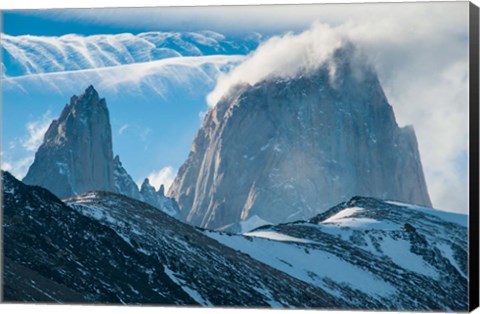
<point>124,183</point>
<point>76,154</point>
<point>158,198</point>
<point>161,190</point>
<point>147,191</point>
<point>285,149</point>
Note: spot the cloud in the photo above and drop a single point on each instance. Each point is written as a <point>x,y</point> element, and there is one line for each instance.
<point>164,176</point>
<point>281,56</point>
<point>71,52</point>
<point>422,63</point>
<point>161,77</point>
<point>36,131</point>
<point>144,134</point>
<point>201,115</point>
<point>266,18</point>
<point>17,168</point>
<point>123,128</point>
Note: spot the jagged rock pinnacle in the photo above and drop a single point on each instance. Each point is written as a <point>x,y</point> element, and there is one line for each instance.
<point>76,155</point>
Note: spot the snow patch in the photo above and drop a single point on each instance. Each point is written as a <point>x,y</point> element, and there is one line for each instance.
<point>459,219</point>
<point>192,293</point>
<point>252,223</point>
<point>305,263</point>
<point>347,212</point>
<point>447,252</point>
<point>399,252</point>
<point>272,235</point>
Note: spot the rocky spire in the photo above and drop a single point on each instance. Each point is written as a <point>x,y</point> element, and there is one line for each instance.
<point>148,193</point>
<point>76,154</point>
<point>161,190</point>
<point>124,183</point>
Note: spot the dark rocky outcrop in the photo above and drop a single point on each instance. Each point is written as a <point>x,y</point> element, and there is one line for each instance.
<point>102,247</point>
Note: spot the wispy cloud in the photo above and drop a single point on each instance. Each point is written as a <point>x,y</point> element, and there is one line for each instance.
<point>266,18</point>
<point>201,115</point>
<point>164,176</point>
<point>281,56</point>
<point>33,138</point>
<point>123,128</point>
<point>36,131</point>
<point>18,168</point>
<point>155,76</point>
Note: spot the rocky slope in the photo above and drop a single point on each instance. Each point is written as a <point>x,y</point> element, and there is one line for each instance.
<point>106,248</point>
<point>54,254</point>
<point>102,247</point>
<point>370,254</point>
<point>286,148</point>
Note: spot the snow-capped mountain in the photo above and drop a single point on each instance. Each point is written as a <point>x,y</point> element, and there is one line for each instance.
<point>286,148</point>
<point>77,156</point>
<point>107,248</point>
<point>26,55</point>
<point>370,254</point>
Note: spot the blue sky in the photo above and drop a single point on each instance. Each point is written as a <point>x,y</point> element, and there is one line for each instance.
<point>31,23</point>
<point>157,108</point>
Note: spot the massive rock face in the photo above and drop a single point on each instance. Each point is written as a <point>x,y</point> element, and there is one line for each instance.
<point>285,148</point>
<point>76,155</point>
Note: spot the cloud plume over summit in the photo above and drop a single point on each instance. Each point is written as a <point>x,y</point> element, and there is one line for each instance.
<point>282,56</point>
<point>424,74</point>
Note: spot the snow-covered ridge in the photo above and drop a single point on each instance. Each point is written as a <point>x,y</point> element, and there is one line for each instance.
<point>445,215</point>
<point>390,255</point>
<point>104,247</point>
<point>25,55</point>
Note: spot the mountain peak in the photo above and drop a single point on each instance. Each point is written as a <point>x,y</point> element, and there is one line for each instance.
<point>76,155</point>
<point>161,190</point>
<point>320,137</point>
<point>146,184</point>
<point>91,90</point>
